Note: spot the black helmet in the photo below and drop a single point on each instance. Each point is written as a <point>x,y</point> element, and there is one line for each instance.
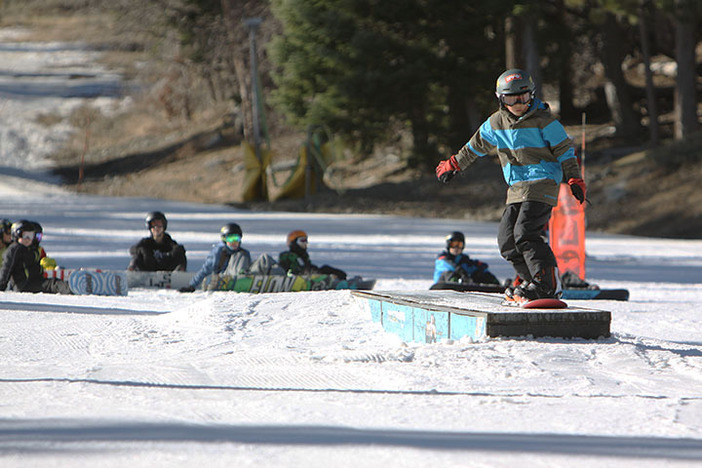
<point>38,232</point>
<point>22,226</point>
<point>230,229</point>
<point>514,81</point>
<point>455,236</point>
<point>6,225</point>
<point>154,215</point>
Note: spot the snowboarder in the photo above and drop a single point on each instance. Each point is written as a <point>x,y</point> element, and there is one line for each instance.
<point>227,257</point>
<point>6,236</point>
<point>535,153</point>
<point>47,263</point>
<point>21,264</point>
<point>452,265</point>
<point>296,260</point>
<point>158,252</point>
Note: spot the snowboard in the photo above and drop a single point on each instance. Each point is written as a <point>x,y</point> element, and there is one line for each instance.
<point>159,279</point>
<point>468,287</point>
<point>601,294</point>
<point>570,293</point>
<point>102,283</point>
<point>538,304</point>
<point>282,283</point>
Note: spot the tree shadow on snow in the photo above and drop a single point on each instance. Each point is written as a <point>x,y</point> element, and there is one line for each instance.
<point>46,435</point>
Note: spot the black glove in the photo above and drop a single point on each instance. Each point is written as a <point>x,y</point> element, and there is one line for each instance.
<point>187,289</point>
<point>578,189</point>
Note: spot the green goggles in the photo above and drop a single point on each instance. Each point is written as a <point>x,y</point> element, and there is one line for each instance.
<point>232,238</point>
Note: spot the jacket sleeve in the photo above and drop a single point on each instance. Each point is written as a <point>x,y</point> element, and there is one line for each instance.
<point>442,265</point>
<point>208,267</point>
<point>8,260</point>
<point>481,144</point>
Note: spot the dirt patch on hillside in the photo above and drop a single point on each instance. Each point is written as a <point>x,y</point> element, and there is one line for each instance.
<point>629,193</point>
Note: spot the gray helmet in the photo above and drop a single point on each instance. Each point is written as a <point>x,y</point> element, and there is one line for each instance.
<point>229,229</point>
<point>514,81</point>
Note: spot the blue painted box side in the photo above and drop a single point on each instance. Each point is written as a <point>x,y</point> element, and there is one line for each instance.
<point>430,326</point>
<point>467,326</point>
<point>398,319</point>
<point>376,310</point>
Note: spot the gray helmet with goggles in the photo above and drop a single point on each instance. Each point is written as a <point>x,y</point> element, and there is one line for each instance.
<point>231,232</point>
<point>514,82</point>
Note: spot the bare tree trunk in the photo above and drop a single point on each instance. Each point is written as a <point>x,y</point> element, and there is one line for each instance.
<point>616,89</point>
<point>531,53</point>
<point>685,95</point>
<point>650,90</point>
<point>234,17</point>
<point>565,70</point>
<point>520,47</point>
<point>513,51</point>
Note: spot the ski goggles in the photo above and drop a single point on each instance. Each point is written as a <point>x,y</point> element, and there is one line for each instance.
<point>301,240</point>
<point>456,245</point>
<point>512,99</point>
<point>29,235</point>
<point>232,238</point>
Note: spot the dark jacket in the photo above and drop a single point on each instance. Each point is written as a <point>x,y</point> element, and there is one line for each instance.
<point>296,261</point>
<point>21,264</point>
<point>149,255</point>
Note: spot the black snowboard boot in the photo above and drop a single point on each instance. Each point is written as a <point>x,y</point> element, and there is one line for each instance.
<point>512,286</point>
<point>545,285</point>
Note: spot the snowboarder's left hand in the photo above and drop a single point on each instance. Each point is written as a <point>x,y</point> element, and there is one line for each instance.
<point>446,170</point>
<point>577,187</point>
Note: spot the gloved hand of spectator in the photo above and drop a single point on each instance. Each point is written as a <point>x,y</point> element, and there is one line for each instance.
<point>447,169</point>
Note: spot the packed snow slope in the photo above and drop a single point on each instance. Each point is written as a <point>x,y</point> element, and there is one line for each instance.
<point>160,378</point>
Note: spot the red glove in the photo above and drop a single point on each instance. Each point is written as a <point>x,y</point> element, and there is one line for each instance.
<point>577,187</point>
<point>447,169</point>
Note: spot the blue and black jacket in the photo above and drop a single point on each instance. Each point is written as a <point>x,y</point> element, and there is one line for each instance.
<point>534,150</point>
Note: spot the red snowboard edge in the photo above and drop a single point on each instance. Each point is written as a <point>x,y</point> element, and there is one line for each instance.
<point>545,304</point>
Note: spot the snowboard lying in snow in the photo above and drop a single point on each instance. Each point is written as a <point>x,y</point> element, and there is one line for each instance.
<point>104,282</point>
<point>569,293</point>
<point>159,279</point>
<point>101,283</point>
<point>133,279</point>
<point>283,283</point>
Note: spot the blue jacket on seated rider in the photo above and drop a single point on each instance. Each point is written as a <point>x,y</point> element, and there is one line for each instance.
<point>454,266</point>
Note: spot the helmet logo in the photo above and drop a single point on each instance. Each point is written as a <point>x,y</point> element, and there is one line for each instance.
<point>516,76</point>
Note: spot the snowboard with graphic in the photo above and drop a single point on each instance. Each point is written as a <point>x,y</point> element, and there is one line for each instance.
<point>101,283</point>
<point>283,283</point>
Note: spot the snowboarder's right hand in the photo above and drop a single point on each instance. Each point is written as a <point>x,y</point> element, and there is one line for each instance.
<point>186,289</point>
<point>446,170</point>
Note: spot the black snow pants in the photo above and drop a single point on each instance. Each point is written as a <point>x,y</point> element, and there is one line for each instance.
<point>522,238</point>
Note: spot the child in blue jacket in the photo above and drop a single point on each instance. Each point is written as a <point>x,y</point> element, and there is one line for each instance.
<point>452,265</point>
<point>536,154</point>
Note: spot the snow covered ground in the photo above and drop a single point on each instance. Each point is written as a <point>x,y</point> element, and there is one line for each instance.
<point>160,378</point>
